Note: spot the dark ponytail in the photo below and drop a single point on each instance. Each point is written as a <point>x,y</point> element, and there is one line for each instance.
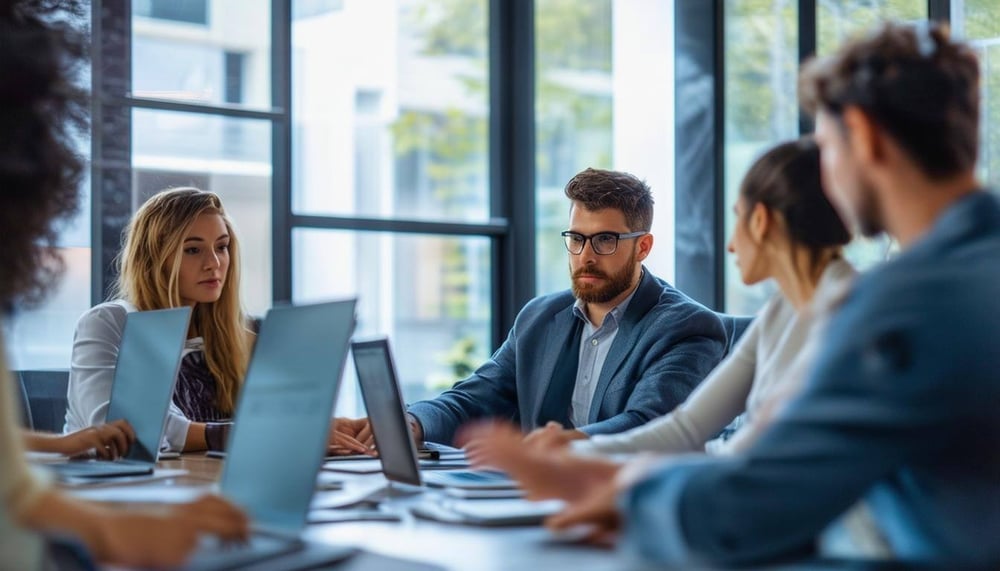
<point>786,179</point>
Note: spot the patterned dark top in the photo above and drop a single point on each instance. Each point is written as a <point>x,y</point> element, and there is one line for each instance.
<point>196,387</point>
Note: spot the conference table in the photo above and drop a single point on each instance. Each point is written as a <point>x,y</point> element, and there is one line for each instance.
<point>411,543</point>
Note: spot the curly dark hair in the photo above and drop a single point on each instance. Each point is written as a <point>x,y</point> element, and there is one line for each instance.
<point>915,82</point>
<point>42,49</point>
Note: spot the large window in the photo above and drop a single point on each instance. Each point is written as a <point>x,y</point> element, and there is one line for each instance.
<point>979,22</point>
<point>761,71</point>
<point>41,338</point>
<point>391,108</point>
<point>225,60</point>
<point>604,82</point>
<point>761,109</point>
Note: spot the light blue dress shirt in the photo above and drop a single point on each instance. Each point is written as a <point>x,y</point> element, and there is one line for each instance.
<point>595,345</point>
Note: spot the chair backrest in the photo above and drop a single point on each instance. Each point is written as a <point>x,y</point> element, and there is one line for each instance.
<point>45,392</point>
<point>735,326</point>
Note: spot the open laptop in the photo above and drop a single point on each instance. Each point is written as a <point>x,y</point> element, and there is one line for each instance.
<point>145,375</point>
<point>280,435</point>
<point>387,413</point>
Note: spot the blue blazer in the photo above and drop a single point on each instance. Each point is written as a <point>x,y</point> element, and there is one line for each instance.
<point>902,410</point>
<point>666,344</point>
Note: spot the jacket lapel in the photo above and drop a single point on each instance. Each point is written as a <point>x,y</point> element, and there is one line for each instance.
<point>646,296</point>
<point>555,339</point>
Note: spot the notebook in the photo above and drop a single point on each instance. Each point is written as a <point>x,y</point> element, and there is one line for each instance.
<point>145,374</point>
<point>280,435</point>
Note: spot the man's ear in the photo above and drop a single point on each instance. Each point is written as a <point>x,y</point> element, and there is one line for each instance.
<point>645,246</point>
<point>759,222</point>
<point>863,136</point>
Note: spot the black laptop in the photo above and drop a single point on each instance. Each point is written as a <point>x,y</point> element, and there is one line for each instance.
<point>387,413</point>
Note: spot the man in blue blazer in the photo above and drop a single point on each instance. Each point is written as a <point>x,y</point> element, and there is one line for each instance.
<point>621,348</point>
<point>893,447</point>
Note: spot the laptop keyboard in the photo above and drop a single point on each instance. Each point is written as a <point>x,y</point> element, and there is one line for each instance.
<point>213,554</point>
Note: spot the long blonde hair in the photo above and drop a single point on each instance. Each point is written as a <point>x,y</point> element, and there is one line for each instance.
<point>149,277</point>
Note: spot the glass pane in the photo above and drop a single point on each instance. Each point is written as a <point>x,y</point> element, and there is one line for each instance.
<point>391,107</point>
<point>838,20</point>
<point>979,22</point>
<point>42,337</point>
<point>231,157</point>
<point>197,51</point>
<point>761,109</point>
<point>604,98</point>
<point>429,294</point>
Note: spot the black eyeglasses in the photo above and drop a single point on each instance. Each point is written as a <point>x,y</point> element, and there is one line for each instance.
<point>603,243</point>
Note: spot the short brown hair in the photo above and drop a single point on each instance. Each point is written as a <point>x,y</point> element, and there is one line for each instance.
<point>914,82</point>
<point>597,189</point>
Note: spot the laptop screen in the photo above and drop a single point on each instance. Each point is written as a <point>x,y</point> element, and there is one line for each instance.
<point>386,411</point>
<point>145,375</point>
<point>283,417</point>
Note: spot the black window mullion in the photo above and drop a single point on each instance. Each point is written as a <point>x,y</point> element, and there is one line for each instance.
<point>111,139</point>
<point>808,28</point>
<point>699,150</point>
<point>281,152</point>
<point>939,10</point>
<point>512,157</point>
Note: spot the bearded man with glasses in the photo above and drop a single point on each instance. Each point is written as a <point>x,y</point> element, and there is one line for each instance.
<point>620,348</point>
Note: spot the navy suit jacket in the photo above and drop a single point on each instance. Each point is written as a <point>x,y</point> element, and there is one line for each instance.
<point>666,344</point>
<point>902,410</point>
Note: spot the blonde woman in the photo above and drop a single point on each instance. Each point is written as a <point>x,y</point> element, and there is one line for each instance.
<point>180,249</point>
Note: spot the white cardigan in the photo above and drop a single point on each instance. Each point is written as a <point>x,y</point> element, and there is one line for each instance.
<point>771,358</point>
<point>20,487</point>
<point>92,370</point>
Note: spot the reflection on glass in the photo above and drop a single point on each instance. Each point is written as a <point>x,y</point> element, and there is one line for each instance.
<point>42,338</point>
<point>761,109</point>
<point>603,99</point>
<point>979,22</point>
<point>838,21</point>
<point>231,157</point>
<point>391,106</point>
<point>430,295</point>
<point>216,52</point>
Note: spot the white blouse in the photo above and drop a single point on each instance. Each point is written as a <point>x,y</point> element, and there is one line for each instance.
<point>92,370</point>
<point>767,365</point>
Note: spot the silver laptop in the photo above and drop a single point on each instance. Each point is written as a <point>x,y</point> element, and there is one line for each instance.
<point>145,375</point>
<point>387,413</point>
<point>280,435</point>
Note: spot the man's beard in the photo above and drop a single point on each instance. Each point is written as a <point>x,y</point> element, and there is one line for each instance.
<point>615,285</point>
<point>869,214</point>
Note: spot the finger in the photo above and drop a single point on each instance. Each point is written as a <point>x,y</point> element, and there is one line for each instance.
<point>345,441</point>
<point>602,537</point>
<point>596,509</point>
<point>113,450</point>
<point>553,425</point>
<point>126,429</point>
<point>117,436</point>
<point>365,434</point>
<point>216,515</point>
<point>103,452</point>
